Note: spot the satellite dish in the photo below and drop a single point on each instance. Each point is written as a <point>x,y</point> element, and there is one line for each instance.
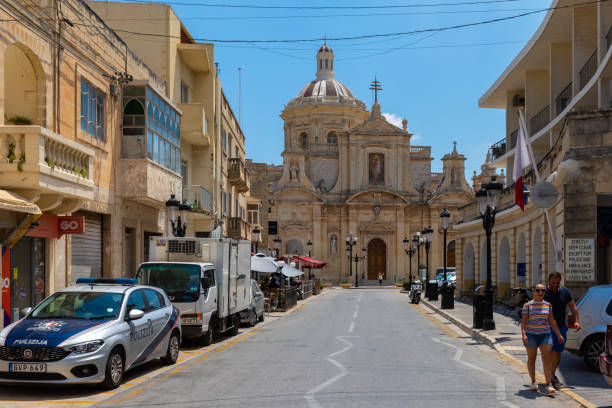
<point>543,194</point>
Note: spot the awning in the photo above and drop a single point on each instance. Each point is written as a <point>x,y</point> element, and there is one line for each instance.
<point>263,264</point>
<point>309,262</point>
<point>290,272</point>
<point>20,214</point>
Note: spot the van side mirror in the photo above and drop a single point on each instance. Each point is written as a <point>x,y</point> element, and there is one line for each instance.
<point>205,283</point>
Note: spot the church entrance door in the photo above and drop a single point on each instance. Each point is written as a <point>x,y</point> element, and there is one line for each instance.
<point>377,259</point>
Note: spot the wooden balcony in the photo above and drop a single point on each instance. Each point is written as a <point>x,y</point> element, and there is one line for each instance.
<point>237,228</point>
<point>44,166</point>
<point>238,175</point>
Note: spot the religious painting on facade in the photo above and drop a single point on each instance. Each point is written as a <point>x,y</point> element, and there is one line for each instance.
<point>376,168</point>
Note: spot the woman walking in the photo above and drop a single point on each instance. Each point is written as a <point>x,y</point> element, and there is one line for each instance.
<point>537,320</point>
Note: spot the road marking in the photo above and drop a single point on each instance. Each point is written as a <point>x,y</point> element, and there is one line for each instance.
<point>446,330</point>
<point>500,382</point>
<point>310,395</point>
<point>351,327</point>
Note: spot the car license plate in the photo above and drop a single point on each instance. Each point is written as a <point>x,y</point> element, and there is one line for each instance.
<point>27,368</point>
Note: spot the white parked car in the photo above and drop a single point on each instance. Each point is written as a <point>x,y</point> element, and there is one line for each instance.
<point>595,310</point>
<point>255,312</point>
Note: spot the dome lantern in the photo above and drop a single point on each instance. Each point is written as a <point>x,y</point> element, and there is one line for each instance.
<point>325,62</point>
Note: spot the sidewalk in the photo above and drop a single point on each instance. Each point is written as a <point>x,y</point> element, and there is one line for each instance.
<point>585,386</point>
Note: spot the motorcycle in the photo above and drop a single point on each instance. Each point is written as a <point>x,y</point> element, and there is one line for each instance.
<point>415,293</point>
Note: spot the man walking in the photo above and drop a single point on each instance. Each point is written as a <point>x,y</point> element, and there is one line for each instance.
<point>559,297</point>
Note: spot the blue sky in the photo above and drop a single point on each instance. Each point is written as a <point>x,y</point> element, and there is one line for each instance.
<point>433,79</point>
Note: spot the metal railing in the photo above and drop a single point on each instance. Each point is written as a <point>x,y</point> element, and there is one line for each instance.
<point>307,287</point>
<point>564,98</point>
<point>609,38</point>
<point>512,139</point>
<point>498,149</point>
<point>282,299</point>
<point>420,151</point>
<point>539,120</point>
<point>588,69</point>
<point>323,149</point>
<point>199,198</point>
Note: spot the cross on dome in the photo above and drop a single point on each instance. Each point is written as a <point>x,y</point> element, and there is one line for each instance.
<point>375,86</point>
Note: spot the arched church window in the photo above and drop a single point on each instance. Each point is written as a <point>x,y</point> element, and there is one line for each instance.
<point>326,64</point>
<point>332,138</point>
<point>320,64</point>
<point>304,140</point>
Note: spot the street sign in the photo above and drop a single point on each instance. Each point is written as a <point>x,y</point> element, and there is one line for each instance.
<point>543,194</point>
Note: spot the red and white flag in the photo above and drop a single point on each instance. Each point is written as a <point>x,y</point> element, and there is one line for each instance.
<point>521,160</point>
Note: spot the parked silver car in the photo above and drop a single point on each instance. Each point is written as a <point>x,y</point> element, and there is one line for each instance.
<point>91,332</point>
<point>595,310</point>
<point>255,312</point>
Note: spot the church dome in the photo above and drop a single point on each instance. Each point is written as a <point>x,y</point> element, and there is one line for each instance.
<point>325,89</point>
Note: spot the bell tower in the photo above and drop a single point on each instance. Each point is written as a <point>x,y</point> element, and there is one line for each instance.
<point>325,63</point>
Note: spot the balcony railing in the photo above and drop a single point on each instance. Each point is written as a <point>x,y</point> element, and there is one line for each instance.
<point>323,149</point>
<point>540,120</point>
<point>512,139</point>
<point>498,149</point>
<point>420,151</point>
<point>28,152</point>
<point>588,69</point>
<point>237,174</point>
<point>564,98</point>
<point>609,38</point>
<point>237,228</point>
<point>199,198</point>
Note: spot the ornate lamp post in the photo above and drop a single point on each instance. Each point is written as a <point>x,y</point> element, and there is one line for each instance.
<point>408,248</point>
<point>309,245</point>
<point>448,290</point>
<point>488,202</point>
<point>350,242</point>
<point>430,292</point>
<point>178,216</point>
<point>416,246</point>
<point>357,258</point>
<point>256,234</point>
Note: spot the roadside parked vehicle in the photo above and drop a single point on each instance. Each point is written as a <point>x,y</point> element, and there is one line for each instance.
<point>255,312</point>
<point>91,332</point>
<point>451,276</point>
<point>595,309</point>
<point>605,359</point>
<point>207,279</point>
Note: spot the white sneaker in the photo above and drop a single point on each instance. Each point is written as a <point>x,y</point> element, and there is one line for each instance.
<point>534,386</point>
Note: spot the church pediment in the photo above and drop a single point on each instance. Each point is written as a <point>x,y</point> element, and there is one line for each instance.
<point>296,194</point>
<point>378,126</point>
<point>452,198</point>
<point>376,227</point>
<point>376,197</point>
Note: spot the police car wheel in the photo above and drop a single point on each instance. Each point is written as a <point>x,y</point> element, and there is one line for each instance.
<point>173,350</point>
<point>114,370</point>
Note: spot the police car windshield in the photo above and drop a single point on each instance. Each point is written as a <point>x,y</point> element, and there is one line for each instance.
<point>79,305</point>
<point>179,281</point>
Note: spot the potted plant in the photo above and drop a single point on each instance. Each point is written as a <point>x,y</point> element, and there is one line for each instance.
<point>20,120</point>
<point>345,284</point>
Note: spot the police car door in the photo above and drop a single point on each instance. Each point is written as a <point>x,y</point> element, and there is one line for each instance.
<point>139,328</point>
<point>159,314</point>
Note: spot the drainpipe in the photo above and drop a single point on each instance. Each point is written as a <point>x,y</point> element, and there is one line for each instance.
<point>218,176</point>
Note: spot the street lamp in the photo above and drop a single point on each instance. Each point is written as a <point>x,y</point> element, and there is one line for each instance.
<point>416,246</point>
<point>488,202</point>
<point>256,233</point>
<point>178,215</point>
<point>410,252</point>
<point>350,242</point>
<point>309,245</point>
<point>429,292</point>
<point>448,291</point>
<point>357,258</point>
<point>277,241</point>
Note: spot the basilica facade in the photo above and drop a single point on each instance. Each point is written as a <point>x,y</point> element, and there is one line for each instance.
<point>347,172</point>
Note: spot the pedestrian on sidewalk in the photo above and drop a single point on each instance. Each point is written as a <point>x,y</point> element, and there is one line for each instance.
<point>559,297</point>
<point>537,322</point>
<point>380,279</point>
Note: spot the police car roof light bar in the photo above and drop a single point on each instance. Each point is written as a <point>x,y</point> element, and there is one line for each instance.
<point>115,281</point>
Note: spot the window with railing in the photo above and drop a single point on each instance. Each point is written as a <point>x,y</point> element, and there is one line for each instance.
<point>92,110</point>
<point>540,120</point>
<point>332,138</point>
<point>564,98</point>
<point>588,69</point>
<point>159,122</point>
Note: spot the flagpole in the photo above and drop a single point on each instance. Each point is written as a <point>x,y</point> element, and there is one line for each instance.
<point>537,173</point>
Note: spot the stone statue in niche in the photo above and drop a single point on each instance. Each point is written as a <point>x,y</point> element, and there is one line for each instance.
<point>333,245</point>
<point>293,172</point>
<point>321,186</point>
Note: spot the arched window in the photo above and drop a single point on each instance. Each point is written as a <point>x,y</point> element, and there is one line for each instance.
<point>332,138</point>
<point>304,140</point>
<point>133,129</point>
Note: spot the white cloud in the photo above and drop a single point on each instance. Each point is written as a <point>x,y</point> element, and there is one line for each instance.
<point>414,137</point>
<point>393,119</point>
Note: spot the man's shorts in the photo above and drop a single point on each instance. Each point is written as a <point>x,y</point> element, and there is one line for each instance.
<point>538,339</point>
<point>556,345</point>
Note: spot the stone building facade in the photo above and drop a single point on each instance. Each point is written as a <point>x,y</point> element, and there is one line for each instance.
<point>345,171</point>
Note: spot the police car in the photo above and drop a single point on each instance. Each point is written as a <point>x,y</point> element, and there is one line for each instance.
<point>91,332</point>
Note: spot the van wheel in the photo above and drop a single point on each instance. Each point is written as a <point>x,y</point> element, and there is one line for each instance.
<point>593,347</point>
<point>207,338</point>
<point>261,318</point>
<point>235,323</point>
<point>114,370</point>
<point>173,349</point>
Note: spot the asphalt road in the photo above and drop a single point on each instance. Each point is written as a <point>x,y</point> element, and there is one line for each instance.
<point>347,348</point>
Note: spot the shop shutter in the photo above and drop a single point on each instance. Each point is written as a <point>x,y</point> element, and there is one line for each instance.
<point>87,248</point>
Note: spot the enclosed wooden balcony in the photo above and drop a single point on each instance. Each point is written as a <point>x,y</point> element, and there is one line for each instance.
<point>238,175</point>
<point>237,228</point>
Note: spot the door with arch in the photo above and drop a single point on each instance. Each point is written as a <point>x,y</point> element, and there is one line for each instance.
<point>377,259</point>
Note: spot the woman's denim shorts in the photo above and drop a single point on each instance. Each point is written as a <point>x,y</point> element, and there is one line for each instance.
<point>537,339</point>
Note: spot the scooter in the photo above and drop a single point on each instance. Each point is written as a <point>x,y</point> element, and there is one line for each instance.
<point>415,293</point>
